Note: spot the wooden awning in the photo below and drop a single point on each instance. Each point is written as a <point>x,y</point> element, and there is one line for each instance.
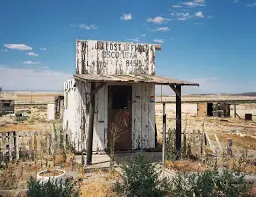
<point>157,80</point>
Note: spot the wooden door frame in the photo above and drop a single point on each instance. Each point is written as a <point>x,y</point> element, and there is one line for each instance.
<point>109,95</point>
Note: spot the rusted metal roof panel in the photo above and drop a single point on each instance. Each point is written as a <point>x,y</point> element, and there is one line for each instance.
<point>158,80</point>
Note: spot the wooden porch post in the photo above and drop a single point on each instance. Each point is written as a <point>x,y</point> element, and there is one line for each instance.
<point>178,121</point>
<point>91,124</point>
<point>235,110</point>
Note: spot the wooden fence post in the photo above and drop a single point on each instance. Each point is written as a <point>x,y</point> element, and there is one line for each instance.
<point>1,149</point>
<point>10,145</point>
<point>24,152</point>
<point>229,147</point>
<point>17,145</point>
<point>35,145</point>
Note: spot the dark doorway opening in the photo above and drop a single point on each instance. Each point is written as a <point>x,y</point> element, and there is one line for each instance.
<point>209,109</point>
<point>119,115</point>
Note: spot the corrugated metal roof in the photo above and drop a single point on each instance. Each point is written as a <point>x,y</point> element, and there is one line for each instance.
<point>158,80</point>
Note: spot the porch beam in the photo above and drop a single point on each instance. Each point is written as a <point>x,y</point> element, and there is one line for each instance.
<point>178,121</point>
<point>91,124</point>
<point>101,85</point>
<point>177,92</point>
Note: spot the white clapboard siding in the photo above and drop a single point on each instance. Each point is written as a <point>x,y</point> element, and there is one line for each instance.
<point>105,57</point>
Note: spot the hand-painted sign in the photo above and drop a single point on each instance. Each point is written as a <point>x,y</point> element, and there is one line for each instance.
<point>107,57</point>
<point>152,99</point>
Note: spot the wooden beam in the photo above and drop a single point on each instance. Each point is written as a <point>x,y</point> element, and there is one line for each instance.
<point>101,85</point>
<point>164,134</point>
<point>177,92</point>
<point>235,110</point>
<point>178,122</point>
<point>158,47</point>
<point>91,124</point>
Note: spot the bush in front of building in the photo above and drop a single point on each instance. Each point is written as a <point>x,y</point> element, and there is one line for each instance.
<point>142,178</point>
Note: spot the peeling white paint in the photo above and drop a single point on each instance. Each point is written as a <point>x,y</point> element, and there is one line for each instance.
<point>100,57</point>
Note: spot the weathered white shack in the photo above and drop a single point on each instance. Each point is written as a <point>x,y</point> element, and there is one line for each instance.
<point>114,84</point>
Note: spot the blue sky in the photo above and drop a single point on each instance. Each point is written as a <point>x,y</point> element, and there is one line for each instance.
<point>208,41</point>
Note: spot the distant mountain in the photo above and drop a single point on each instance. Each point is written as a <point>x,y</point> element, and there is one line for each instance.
<point>224,94</point>
<point>246,94</point>
<point>32,90</point>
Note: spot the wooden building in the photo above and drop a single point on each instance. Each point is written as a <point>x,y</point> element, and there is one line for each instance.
<point>213,109</point>
<point>114,84</point>
<point>6,107</point>
<point>59,107</point>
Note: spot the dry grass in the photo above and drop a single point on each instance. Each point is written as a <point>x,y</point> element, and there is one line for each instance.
<point>97,188</point>
<point>185,165</point>
<point>247,142</point>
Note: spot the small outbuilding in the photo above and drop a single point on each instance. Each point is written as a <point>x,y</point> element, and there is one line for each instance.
<point>59,107</point>
<point>114,86</point>
<point>6,107</point>
<point>213,109</point>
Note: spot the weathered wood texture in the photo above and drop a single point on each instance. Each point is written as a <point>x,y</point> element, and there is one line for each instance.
<point>105,57</point>
<point>76,117</point>
<point>30,145</point>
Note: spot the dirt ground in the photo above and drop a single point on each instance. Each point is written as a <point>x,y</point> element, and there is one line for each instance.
<point>243,134</point>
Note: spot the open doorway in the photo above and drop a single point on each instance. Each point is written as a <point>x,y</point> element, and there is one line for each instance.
<point>120,114</point>
<point>209,109</point>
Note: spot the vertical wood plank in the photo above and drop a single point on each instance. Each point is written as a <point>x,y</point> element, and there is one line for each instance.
<point>35,145</point>
<point>219,145</point>
<point>136,132</point>
<point>10,145</point>
<point>144,117</point>
<point>1,149</point>
<point>210,143</point>
<point>17,146</point>
<point>47,141</point>
<point>30,145</point>
<point>23,145</point>
<point>151,115</point>
<point>106,117</point>
<point>4,146</point>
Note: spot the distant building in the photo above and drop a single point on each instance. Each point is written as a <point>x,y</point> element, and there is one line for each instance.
<point>1,89</point>
<point>208,109</point>
<point>6,107</point>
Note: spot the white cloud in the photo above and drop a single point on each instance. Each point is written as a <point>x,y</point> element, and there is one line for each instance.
<point>32,79</point>
<point>126,17</point>
<point>180,16</point>
<point>3,50</point>
<point>87,27</point>
<point>210,16</point>
<point>199,14</point>
<point>21,47</point>
<point>43,49</point>
<point>159,40</point>
<point>163,29</point>
<point>31,62</point>
<point>235,1</point>
<point>251,5</point>
<point>157,20</point>
<point>143,35</point>
<point>134,39</point>
<point>32,54</point>
<point>195,3</point>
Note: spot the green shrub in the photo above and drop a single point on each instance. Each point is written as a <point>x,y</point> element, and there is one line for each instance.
<point>51,189</point>
<point>141,179</point>
<point>209,184</point>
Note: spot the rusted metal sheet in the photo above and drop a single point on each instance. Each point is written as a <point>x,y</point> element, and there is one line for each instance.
<point>132,79</point>
<point>108,57</point>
